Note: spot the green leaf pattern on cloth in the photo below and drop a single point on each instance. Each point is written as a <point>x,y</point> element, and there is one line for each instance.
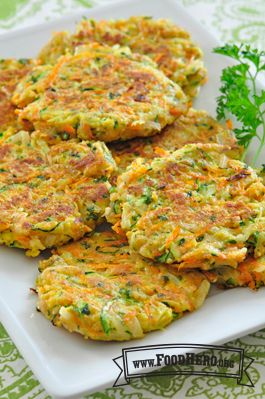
<point>232,20</point>
<point>20,13</point>
<point>228,20</point>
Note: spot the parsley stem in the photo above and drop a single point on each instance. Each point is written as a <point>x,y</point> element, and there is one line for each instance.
<point>262,140</point>
<point>244,153</point>
<point>262,143</point>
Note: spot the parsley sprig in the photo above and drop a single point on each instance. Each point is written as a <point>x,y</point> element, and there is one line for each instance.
<point>240,95</point>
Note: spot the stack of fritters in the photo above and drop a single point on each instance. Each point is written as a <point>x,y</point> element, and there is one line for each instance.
<point>184,209</point>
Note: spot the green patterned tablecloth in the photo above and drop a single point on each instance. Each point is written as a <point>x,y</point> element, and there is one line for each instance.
<point>228,20</point>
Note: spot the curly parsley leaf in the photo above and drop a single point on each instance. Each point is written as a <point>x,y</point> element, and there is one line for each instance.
<point>240,96</point>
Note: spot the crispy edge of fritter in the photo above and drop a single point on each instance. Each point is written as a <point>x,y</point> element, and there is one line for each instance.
<point>250,273</point>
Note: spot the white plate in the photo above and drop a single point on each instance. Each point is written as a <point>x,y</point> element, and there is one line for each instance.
<point>66,364</point>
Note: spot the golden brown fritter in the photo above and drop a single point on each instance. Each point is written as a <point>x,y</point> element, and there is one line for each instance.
<point>51,195</point>
<point>34,219</point>
<point>101,93</point>
<point>168,45</point>
<point>96,288</point>
<point>196,208</point>
<point>195,127</point>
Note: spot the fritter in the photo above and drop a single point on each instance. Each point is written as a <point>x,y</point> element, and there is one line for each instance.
<point>168,45</point>
<point>250,273</point>
<point>96,288</point>
<point>24,158</point>
<point>51,195</point>
<point>196,208</point>
<point>21,160</point>
<point>34,219</point>
<point>195,127</point>
<point>11,72</point>
<point>101,93</point>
